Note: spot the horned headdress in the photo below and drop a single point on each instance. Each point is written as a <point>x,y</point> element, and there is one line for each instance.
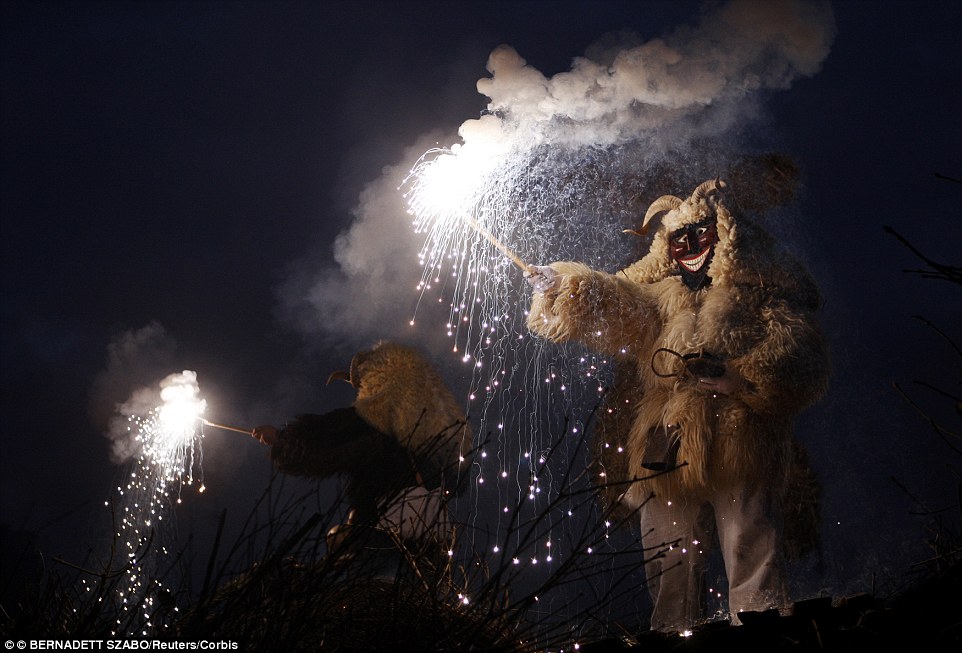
<point>678,212</point>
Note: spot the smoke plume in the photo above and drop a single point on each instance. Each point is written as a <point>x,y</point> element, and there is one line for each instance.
<point>371,292</point>
<point>625,105</point>
<point>127,386</point>
<point>717,67</point>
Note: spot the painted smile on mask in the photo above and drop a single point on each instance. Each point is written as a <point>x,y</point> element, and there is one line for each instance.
<point>692,246</point>
<point>694,263</point>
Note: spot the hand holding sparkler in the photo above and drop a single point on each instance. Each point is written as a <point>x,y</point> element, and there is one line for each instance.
<point>542,278</point>
<point>265,434</point>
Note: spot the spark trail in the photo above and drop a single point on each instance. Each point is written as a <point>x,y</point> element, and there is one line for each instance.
<point>538,204</point>
<point>169,442</point>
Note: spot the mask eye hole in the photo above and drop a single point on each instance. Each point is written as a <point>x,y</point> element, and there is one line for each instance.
<point>701,231</point>
<point>680,240</point>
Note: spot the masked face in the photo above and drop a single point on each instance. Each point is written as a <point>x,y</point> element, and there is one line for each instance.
<point>692,247</point>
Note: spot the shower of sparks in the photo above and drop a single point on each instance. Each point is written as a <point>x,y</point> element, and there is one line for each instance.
<point>540,204</point>
<point>172,441</point>
<point>170,456</point>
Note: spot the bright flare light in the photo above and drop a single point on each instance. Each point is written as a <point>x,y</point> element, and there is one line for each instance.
<point>446,184</point>
<point>170,445</point>
<point>170,456</point>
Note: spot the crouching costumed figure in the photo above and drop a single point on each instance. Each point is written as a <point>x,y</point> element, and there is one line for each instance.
<point>400,447</point>
<point>720,329</point>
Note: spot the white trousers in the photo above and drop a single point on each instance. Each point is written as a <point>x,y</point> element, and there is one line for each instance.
<point>750,544</point>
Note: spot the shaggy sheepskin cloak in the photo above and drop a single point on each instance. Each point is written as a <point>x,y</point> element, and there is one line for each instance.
<point>758,315</point>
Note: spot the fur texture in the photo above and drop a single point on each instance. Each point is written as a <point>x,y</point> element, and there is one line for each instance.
<point>375,465</point>
<point>758,315</point>
<point>401,394</point>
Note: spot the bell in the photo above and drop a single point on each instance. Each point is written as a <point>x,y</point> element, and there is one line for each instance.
<point>661,450</point>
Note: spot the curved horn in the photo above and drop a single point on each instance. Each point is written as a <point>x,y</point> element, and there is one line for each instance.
<point>351,377</point>
<point>355,377</point>
<point>339,375</point>
<point>706,188</point>
<point>663,204</point>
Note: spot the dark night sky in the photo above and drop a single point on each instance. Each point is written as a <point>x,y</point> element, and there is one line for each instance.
<point>169,163</point>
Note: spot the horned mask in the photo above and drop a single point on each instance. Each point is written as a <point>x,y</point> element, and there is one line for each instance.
<point>691,229</point>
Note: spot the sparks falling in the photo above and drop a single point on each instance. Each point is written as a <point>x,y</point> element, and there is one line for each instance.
<point>172,441</point>
<point>170,456</point>
<point>486,211</point>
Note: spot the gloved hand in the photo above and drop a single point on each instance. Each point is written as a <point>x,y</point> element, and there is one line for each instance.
<point>265,434</point>
<point>542,278</point>
<point>704,365</point>
<point>730,381</point>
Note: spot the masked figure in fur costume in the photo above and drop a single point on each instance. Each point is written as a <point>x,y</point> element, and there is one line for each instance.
<point>720,326</point>
<point>400,446</point>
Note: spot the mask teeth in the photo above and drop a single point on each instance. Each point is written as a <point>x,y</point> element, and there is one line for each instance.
<point>695,263</point>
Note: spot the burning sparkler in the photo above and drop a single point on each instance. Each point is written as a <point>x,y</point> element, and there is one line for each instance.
<point>170,453</point>
<point>448,188</point>
<point>167,430</point>
<point>173,439</point>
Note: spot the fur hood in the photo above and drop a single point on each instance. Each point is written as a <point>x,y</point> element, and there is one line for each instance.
<point>401,394</point>
<point>745,255</point>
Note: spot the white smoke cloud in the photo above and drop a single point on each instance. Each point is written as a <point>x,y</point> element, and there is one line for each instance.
<point>735,51</point>
<point>123,442</point>
<point>371,293</point>
<point>694,82</point>
<point>135,360</point>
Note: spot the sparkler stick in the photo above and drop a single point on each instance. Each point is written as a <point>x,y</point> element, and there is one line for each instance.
<point>443,186</point>
<point>225,427</point>
<point>514,258</point>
